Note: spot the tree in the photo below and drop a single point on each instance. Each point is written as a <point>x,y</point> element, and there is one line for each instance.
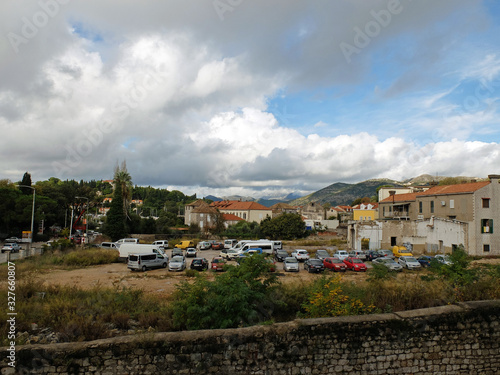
<point>122,178</point>
<point>241,296</point>
<point>218,221</point>
<point>26,181</point>
<point>285,227</point>
<point>115,218</point>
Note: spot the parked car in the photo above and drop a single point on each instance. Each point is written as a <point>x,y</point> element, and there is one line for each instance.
<point>291,264</point>
<point>204,245</point>
<point>184,244</point>
<point>360,254</point>
<point>177,252</point>
<point>144,262</point>
<point>218,246</point>
<point>334,264</point>
<point>200,264</point>
<point>277,245</point>
<point>228,254</point>
<point>280,255</point>
<point>354,264</point>
<point>177,263</point>
<point>389,263</point>
<point>163,244</point>
<point>217,264</point>
<point>314,265</point>
<point>13,240</point>
<point>191,252</point>
<point>272,264</point>
<point>11,247</point>
<point>409,262</point>
<point>108,245</point>
<point>371,255</point>
<point>322,254</point>
<point>444,259</point>
<point>228,244</point>
<point>425,260</point>
<point>341,254</point>
<point>385,253</point>
<point>301,255</point>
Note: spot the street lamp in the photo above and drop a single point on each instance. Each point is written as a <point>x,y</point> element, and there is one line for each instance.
<point>86,221</point>
<point>32,210</point>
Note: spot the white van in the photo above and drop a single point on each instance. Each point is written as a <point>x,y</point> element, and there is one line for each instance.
<point>228,244</point>
<point>163,244</point>
<point>146,261</point>
<point>132,248</point>
<point>108,245</point>
<point>266,246</point>
<point>126,240</point>
<point>278,245</point>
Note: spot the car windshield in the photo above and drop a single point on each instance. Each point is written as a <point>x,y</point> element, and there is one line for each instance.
<point>282,253</point>
<point>322,252</point>
<point>356,260</point>
<point>316,262</point>
<point>217,260</point>
<point>410,259</point>
<point>291,260</point>
<point>176,259</point>
<point>337,260</point>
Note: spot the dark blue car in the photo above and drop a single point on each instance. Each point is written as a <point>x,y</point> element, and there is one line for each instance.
<point>425,260</point>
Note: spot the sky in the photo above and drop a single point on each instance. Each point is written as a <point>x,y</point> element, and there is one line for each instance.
<point>255,98</point>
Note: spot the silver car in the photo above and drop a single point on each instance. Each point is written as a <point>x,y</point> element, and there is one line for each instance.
<point>177,263</point>
<point>409,262</point>
<point>291,264</point>
<point>390,263</point>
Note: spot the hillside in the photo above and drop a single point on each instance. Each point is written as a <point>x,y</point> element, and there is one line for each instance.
<point>341,193</point>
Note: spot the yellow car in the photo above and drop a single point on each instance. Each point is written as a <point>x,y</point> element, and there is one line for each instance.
<point>185,244</point>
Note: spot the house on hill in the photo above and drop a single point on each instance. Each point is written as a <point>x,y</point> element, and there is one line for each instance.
<point>248,211</point>
<point>283,208</point>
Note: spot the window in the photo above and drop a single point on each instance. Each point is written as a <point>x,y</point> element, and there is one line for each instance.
<point>452,203</point>
<point>420,207</point>
<point>393,241</point>
<point>486,248</point>
<point>487,226</point>
<point>432,207</point>
<point>244,215</point>
<point>486,202</point>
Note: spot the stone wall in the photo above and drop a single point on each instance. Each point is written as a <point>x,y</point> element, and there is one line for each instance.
<point>454,339</point>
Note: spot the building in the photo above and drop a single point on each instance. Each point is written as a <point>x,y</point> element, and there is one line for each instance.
<point>283,208</point>
<point>312,211</point>
<point>444,217</point>
<point>365,212</point>
<point>248,211</point>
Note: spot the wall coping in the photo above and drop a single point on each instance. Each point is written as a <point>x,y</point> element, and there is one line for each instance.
<point>259,330</point>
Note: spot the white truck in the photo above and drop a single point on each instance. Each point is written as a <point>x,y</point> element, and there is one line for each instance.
<point>266,246</point>
<point>131,248</point>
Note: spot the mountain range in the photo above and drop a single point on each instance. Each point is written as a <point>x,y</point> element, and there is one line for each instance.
<point>341,193</point>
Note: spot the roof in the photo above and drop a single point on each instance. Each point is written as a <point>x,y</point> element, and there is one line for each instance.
<point>407,197</point>
<point>238,205</point>
<point>204,208</point>
<point>197,203</point>
<point>282,206</point>
<point>231,217</point>
<point>455,189</point>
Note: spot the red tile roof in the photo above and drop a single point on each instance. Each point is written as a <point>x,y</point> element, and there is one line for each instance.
<point>455,189</point>
<point>407,197</point>
<point>231,217</point>
<point>238,205</point>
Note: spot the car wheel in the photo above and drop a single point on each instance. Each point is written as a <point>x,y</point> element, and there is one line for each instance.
<point>164,265</point>
<point>143,268</point>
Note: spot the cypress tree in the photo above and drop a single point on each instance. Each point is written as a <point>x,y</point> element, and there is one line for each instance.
<point>115,218</point>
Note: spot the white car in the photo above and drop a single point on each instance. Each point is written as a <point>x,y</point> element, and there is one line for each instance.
<point>360,254</point>
<point>229,254</point>
<point>191,252</point>
<point>409,262</point>
<point>11,247</point>
<point>177,263</point>
<point>341,254</point>
<point>291,264</point>
<point>444,259</point>
<point>301,255</point>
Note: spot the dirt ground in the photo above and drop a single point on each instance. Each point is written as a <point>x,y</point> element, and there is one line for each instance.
<point>162,281</point>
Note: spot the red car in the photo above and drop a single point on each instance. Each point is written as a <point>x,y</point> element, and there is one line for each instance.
<point>217,264</point>
<point>354,264</point>
<point>217,246</point>
<point>334,264</point>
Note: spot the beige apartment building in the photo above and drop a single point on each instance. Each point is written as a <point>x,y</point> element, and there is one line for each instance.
<point>444,217</point>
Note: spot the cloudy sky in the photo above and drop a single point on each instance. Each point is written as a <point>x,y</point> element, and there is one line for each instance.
<point>249,97</point>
